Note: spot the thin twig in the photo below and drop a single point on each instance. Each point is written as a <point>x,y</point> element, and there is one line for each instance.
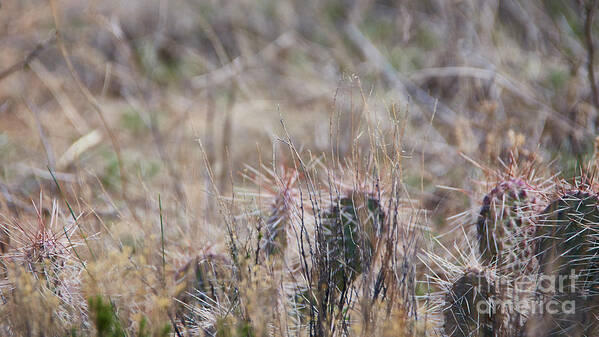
<point>408,89</point>
<point>32,55</point>
<point>78,227</point>
<point>238,65</point>
<point>54,84</point>
<point>162,239</point>
<point>404,87</point>
<point>399,82</point>
<point>516,88</point>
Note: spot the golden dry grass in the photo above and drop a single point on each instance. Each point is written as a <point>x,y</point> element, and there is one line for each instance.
<point>107,107</point>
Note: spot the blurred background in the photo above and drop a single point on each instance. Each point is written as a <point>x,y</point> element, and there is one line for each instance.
<point>130,98</point>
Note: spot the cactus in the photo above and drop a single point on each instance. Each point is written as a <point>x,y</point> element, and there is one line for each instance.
<point>560,243</point>
<point>4,239</point>
<point>565,314</point>
<point>347,235</point>
<point>565,239</point>
<point>205,284</point>
<point>566,247</point>
<point>274,242</point>
<point>4,242</point>
<point>505,226</point>
<point>468,309</point>
<point>349,232</point>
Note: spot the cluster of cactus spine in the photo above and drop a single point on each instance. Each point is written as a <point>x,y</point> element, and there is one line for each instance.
<point>469,305</point>
<point>4,239</point>
<point>564,236</point>
<point>506,224</point>
<point>558,244</point>
<point>568,259</point>
<point>4,242</point>
<point>274,240</point>
<point>206,282</point>
<point>349,229</point>
<point>346,237</point>
<point>505,227</point>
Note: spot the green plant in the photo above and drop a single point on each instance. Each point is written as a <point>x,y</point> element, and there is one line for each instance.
<point>108,324</point>
<point>505,228</point>
<point>348,231</point>
<point>105,318</point>
<point>143,330</point>
<point>506,224</point>
<point>565,236</point>
<point>206,284</point>
<point>468,309</point>
<point>231,328</point>
<point>275,240</point>
<point>568,263</point>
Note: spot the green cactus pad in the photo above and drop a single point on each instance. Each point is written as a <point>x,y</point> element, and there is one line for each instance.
<point>566,246</point>
<point>205,281</point>
<point>349,229</point>
<point>506,224</point>
<point>276,228</point>
<point>565,236</point>
<point>468,306</point>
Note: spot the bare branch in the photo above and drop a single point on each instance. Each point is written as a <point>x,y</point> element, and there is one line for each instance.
<point>30,57</point>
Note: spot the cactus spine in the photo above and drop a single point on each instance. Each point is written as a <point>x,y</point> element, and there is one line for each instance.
<point>275,240</point>
<point>346,238</point>
<point>349,231</point>
<point>4,239</point>
<point>564,236</point>
<point>505,226</point>
<point>468,305</point>
<point>568,257</point>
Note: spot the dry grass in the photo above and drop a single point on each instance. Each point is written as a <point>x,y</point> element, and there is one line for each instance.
<point>187,167</point>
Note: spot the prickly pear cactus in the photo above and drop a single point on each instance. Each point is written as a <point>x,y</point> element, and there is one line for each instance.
<point>565,236</point>
<point>569,265</point>
<point>505,226</point>
<point>348,230</point>
<point>275,240</point>
<point>205,282</point>
<point>564,315</point>
<point>468,305</point>
<point>276,227</point>
<point>4,239</point>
